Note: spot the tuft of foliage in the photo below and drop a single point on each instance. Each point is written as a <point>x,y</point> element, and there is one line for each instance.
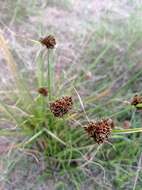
<point>67,149</point>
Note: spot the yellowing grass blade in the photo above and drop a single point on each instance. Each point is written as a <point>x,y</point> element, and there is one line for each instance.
<point>126,131</point>
<point>8,56</point>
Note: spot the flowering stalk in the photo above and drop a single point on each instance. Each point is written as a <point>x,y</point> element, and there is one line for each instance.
<point>50,42</point>
<point>49,76</point>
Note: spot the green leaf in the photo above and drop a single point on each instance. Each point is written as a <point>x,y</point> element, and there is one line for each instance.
<point>139,105</point>
<point>34,137</point>
<point>54,136</point>
<point>126,131</point>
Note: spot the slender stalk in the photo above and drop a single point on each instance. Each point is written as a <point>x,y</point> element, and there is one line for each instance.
<point>49,76</point>
<point>40,77</point>
<point>42,71</point>
<point>42,82</point>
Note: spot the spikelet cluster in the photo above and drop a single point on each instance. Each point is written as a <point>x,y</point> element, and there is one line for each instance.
<point>43,91</point>
<point>48,41</point>
<point>61,106</point>
<point>136,100</point>
<point>100,130</point>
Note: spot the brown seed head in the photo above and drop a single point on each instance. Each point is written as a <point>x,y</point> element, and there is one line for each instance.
<point>100,130</point>
<point>136,100</point>
<point>43,91</point>
<point>48,41</point>
<point>62,106</point>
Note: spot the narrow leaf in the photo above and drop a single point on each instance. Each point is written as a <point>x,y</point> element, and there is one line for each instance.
<point>126,131</point>
<point>54,136</point>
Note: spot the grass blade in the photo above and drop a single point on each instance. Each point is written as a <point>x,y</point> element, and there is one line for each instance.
<point>126,131</point>
<point>9,113</point>
<point>54,136</point>
<point>34,137</point>
<point>81,103</point>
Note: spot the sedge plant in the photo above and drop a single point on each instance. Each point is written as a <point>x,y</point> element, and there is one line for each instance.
<point>48,122</point>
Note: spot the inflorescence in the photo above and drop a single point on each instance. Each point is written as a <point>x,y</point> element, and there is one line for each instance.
<point>43,91</point>
<point>136,100</point>
<point>100,130</point>
<point>48,41</point>
<point>61,106</point>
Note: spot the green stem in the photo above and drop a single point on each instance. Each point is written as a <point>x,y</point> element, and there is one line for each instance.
<point>49,76</point>
<point>42,82</point>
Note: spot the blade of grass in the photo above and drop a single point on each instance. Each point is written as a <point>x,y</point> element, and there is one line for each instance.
<point>54,136</point>
<point>9,113</point>
<point>34,137</point>
<point>139,106</point>
<point>13,67</point>
<point>126,131</point>
<point>100,56</point>
<point>11,133</point>
<point>40,69</point>
<point>81,103</point>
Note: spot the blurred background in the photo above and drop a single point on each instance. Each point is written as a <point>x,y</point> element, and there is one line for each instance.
<point>99,48</point>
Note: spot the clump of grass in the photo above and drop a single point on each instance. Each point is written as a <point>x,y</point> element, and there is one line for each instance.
<point>47,122</point>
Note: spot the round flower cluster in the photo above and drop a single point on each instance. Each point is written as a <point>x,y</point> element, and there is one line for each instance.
<point>100,130</point>
<point>61,106</point>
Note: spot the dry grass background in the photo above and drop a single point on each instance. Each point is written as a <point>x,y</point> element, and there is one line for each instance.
<point>76,25</point>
